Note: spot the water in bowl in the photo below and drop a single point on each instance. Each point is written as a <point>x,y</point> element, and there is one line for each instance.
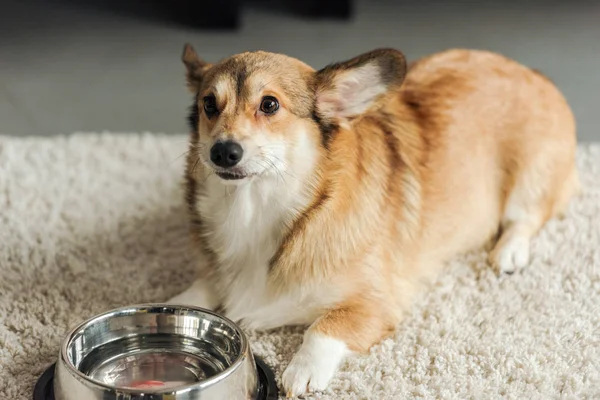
<point>153,361</point>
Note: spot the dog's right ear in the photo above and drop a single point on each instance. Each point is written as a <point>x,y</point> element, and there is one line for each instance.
<point>196,67</point>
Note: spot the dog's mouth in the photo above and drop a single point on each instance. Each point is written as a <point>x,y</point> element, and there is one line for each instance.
<point>231,175</point>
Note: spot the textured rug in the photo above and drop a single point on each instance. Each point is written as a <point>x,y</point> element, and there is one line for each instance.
<point>91,222</point>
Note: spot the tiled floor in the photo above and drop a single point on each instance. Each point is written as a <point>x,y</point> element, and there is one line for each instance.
<point>65,69</point>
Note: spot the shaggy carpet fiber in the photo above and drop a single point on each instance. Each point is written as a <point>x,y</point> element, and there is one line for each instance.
<point>89,222</point>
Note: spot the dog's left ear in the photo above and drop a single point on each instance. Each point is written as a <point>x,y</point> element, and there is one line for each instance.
<point>196,67</point>
<point>346,90</point>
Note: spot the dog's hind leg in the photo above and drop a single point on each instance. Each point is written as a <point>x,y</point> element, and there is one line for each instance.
<point>541,191</point>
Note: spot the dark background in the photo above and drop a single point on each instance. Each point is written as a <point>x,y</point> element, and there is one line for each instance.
<point>85,65</point>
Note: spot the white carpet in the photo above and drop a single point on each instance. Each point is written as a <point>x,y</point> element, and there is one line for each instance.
<point>92,222</point>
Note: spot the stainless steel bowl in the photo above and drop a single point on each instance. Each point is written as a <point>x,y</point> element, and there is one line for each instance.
<point>156,351</point>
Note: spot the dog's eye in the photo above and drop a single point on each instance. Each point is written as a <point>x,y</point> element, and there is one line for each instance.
<point>210,106</point>
<point>269,105</point>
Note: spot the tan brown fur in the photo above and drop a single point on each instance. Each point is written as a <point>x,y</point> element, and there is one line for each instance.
<point>468,143</point>
<point>435,122</point>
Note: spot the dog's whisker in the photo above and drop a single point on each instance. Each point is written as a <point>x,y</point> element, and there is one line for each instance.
<point>210,173</point>
<point>196,165</point>
<point>277,170</point>
<point>270,166</point>
<point>285,165</point>
<point>185,153</point>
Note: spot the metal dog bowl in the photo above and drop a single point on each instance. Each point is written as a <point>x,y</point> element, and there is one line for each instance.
<point>156,351</point>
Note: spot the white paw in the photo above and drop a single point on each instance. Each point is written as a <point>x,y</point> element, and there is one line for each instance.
<point>313,366</point>
<point>184,299</point>
<point>197,295</point>
<point>302,376</point>
<point>511,254</point>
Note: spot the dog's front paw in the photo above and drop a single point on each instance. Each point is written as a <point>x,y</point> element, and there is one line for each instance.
<point>199,294</point>
<point>303,375</point>
<point>186,299</point>
<point>313,366</point>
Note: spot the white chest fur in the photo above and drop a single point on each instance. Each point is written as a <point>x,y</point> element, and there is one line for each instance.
<point>245,224</point>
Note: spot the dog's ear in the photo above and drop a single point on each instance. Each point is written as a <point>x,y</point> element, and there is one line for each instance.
<point>196,67</point>
<point>347,89</point>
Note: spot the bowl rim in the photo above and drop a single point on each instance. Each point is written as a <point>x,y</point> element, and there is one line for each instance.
<point>70,367</point>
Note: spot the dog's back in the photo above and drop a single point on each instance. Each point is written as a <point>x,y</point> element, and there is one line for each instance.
<point>499,146</point>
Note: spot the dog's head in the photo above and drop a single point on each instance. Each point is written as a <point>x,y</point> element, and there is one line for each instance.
<point>261,114</point>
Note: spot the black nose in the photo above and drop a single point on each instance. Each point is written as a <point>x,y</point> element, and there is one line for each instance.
<point>226,154</point>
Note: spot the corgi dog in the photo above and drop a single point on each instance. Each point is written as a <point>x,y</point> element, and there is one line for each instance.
<point>325,198</point>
